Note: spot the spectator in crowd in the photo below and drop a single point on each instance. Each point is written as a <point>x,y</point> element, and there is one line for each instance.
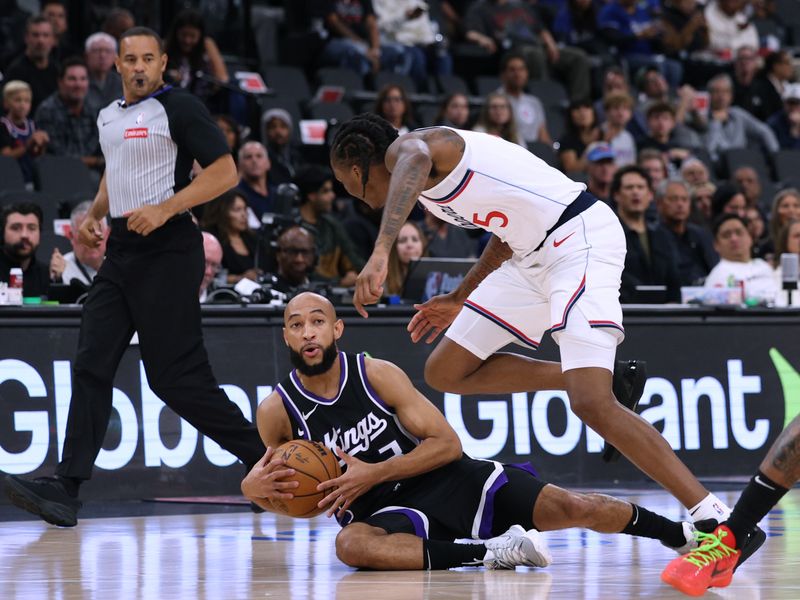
<point>634,27</point>
<point>408,23</point>
<point>56,13</point>
<point>454,111</point>
<point>254,184</point>
<point>618,108</point>
<point>702,202</point>
<point>21,225</point>
<point>729,27</point>
<point>69,119</point>
<point>728,199</point>
<point>757,227</point>
<point>244,254</point>
<point>393,105</point>
<point>35,67</point>
<point>614,82</point>
<point>675,142</point>
<point>772,32</point>
<point>212,250</point>
<point>694,245</point>
<point>528,110</point>
<point>730,126</point>
<point>651,257</point>
<point>192,54</point>
<point>284,156</point>
<point>685,32</point>
<point>19,137</point>
<point>446,241</point>
<point>117,22</point>
<point>736,266</point>
<point>601,165</point>
<point>105,85</point>
<point>785,124</point>
<point>296,255</point>
<point>497,118</point>
<point>12,31</point>
<point>749,88</point>
<point>509,24</point>
<point>694,172</point>
<point>338,259</point>
<point>776,78</point>
<point>84,261</point>
<point>355,41</point>
<point>746,178</point>
<point>788,242</point>
<point>230,129</point>
<point>362,223</point>
<point>653,162</point>
<point>575,24</point>
<point>785,208</point>
<point>409,245</point>
<point>582,130</point>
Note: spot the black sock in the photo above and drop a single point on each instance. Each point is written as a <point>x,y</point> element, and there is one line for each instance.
<point>71,485</point>
<point>437,554</point>
<point>757,499</point>
<point>650,525</point>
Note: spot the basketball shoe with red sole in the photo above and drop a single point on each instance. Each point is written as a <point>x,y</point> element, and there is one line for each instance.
<point>711,564</point>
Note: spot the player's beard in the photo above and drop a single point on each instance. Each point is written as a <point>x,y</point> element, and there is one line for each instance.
<point>329,355</point>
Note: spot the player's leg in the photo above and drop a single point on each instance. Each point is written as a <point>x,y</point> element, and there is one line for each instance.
<point>368,547</point>
<point>714,562</point>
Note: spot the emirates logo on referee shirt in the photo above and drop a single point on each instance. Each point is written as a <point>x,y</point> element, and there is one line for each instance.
<point>135,132</point>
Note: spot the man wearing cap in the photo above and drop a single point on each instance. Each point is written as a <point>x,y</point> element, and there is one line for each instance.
<point>276,129</point>
<point>786,123</point>
<point>601,166</point>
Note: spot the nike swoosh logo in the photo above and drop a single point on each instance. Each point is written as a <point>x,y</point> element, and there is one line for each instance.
<point>760,481</point>
<point>301,432</point>
<point>556,243</point>
<point>311,412</point>
<point>636,519</point>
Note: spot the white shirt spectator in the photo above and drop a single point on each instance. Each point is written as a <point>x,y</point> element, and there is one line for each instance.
<point>528,113</point>
<point>757,275</point>
<point>73,270</point>
<point>725,32</point>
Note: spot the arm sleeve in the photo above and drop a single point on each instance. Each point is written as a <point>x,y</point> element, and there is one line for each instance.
<point>193,129</point>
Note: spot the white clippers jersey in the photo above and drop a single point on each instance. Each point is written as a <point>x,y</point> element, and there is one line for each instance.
<point>502,188</point>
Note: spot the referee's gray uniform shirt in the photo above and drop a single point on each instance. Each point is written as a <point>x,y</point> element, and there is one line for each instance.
<point>149,147</point>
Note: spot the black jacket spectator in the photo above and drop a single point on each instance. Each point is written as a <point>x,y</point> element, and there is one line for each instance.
<point>658,267</point>
<point>696,254</point>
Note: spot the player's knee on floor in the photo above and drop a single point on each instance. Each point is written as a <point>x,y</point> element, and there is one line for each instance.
<point>351,546</point>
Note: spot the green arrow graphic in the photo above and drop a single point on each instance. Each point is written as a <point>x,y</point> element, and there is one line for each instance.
<point>790,382</point>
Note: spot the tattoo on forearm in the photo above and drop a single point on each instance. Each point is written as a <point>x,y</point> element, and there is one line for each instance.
<point>408,181</point>
<point>785,453</point>
<point>494,255</point>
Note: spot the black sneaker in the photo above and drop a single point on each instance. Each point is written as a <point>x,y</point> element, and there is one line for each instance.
<point>45,497</point>
<point>628,385</point>
<point>754,540</point>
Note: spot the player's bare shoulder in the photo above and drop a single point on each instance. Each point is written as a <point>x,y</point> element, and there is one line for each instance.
<point>443,145</point>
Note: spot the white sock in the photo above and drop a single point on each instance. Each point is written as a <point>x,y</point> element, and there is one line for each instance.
<point>710,507</point>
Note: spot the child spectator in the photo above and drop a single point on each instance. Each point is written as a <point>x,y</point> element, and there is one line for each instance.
<point>18,135</point>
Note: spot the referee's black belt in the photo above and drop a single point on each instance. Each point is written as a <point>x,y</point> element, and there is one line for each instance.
<point>580,204</point>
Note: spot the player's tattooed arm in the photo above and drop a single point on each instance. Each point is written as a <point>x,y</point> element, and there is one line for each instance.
<point>494,255</point>
<point>784,456</point>
<point>410,164</point>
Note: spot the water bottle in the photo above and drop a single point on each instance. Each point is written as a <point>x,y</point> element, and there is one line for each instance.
<point>15,286</point>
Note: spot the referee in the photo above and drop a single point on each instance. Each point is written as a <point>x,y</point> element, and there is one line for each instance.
<point>149,280</point>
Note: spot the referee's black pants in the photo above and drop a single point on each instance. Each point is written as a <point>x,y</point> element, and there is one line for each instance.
<point>149,285</point>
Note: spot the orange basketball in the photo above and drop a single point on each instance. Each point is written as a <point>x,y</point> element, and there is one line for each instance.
<point>313,463</point>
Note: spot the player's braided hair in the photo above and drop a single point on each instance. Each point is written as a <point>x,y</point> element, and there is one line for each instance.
<point>363,140</point>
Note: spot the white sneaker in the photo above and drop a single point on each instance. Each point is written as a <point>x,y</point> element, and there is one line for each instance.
<point>517,548</point>
<point>689,531</point>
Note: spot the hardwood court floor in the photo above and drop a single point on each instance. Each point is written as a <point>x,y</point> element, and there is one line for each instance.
<point>235,555</point>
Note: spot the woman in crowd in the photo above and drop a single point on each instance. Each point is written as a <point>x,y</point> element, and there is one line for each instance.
<point>408,246</point>
<point>454,111</point>
<point>244,254</point>
<point>787,242</point>
<point>392,104</point>
<point>497,118</point>
<point>785,208</point>
<point>582,130</point>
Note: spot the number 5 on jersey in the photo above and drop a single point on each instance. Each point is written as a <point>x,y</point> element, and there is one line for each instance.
<point>486,221</point>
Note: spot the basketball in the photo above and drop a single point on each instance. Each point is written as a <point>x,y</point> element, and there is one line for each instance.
<point>313,463</point>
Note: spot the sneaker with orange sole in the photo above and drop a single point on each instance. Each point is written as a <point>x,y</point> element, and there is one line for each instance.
<point>711,564</point>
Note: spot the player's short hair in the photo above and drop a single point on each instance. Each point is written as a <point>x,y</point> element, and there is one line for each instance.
<point>145,31</point>
<point>363,140</point>
<point>15,86</point>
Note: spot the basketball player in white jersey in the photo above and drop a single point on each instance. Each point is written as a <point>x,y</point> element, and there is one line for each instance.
<point>554,263</point>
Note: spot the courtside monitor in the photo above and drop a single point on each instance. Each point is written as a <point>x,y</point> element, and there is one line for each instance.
<point>429,277</point>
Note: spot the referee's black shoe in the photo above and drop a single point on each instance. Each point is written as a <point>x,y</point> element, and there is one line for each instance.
<point>45,497</point>
<point>628,385</point>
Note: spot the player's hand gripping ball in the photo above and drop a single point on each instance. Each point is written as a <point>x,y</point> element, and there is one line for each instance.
<point>313,463</point>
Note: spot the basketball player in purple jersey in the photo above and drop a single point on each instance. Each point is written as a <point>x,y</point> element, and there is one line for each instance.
<point>553,263</point>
